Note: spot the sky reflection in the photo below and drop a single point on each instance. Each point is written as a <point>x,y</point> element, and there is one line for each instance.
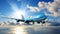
<point>20,30</point>
<point>30,29</point>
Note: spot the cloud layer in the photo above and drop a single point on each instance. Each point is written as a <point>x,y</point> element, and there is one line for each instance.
<point>53,7</point>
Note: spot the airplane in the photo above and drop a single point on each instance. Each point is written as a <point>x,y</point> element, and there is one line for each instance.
<point>39,19</point>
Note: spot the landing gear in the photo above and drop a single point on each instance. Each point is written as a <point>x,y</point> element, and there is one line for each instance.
<point>27,22</point>
<point>33,22</point>
<point>43,22</point>
<point>38,22</point>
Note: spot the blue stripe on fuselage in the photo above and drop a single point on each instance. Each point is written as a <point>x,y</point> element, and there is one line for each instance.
<point>35,18</point>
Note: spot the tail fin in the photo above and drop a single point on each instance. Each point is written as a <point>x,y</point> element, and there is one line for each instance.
<point>22,17</point>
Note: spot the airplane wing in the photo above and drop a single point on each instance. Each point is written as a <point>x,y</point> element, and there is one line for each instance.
<point>12,18</point>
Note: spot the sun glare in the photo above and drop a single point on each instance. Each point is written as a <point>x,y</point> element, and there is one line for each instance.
<point>17,14</point>
<point>20,30</point>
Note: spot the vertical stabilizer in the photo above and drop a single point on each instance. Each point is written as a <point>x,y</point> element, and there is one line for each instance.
<point>22,17</point>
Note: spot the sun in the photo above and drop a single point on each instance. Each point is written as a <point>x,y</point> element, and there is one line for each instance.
<point>17,14</point>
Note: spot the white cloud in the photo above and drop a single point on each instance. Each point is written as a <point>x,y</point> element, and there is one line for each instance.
<point>41,5</point>
<point>31,8</point>
<point>53,7</point>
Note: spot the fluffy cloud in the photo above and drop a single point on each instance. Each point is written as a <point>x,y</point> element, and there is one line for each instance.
<point>53,7</point>
<point>33,9</point>
<point>41,5</point>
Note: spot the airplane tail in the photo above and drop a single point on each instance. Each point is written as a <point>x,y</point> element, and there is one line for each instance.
<point>22,17</point>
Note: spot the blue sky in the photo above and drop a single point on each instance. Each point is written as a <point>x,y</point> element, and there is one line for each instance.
<point>7,7</point>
